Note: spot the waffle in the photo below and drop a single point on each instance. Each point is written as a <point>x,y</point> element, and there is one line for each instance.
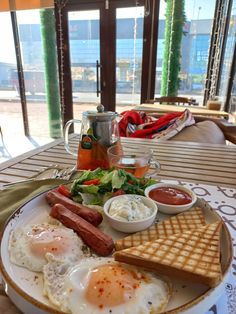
<point>193,255</point>
<point>176,224</point>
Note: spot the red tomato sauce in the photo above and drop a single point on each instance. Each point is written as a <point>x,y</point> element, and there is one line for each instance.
<point>170,196</point>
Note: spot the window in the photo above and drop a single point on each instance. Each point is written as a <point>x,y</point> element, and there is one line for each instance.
<point>228,53</point>
<point>33,62</point>
<point>7,60</point>
<point>129,48</point>
<point>194,47</point>
<point>9,97</point>
<point>33,66</point>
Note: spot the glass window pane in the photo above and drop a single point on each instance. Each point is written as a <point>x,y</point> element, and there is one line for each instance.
<point>194,47</point>
<point>8,81</point>
<point>228,53</point>
<point>129,49</point>
<point>40,70</point>
<point>233,99</point>
<point>32,59</point>
<point>84,39</point>
<point>10,106</point>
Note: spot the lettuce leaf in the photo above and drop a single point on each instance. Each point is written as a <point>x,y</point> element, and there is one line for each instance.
<point>118,179</point>
<point>87,175</point>
<point>91,199</point>
<point>107,178</point>
<point>92,189</point>
<point>111,180</point>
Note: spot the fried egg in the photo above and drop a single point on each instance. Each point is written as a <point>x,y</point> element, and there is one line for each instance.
<point>29,245</point>
<point>101,285</point>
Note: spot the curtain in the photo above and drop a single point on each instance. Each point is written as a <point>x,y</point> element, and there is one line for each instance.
<point>12,5</point>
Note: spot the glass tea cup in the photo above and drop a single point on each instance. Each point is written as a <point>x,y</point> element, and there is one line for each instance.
<point>137,163</point>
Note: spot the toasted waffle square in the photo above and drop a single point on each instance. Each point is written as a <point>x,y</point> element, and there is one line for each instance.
<point>188,220</point>
<point>193,254</point>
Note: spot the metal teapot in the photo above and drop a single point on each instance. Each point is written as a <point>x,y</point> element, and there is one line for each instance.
<point>99,131</point>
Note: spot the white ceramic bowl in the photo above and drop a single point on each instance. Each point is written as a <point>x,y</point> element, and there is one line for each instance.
<point>172,209</point>
<point>135,225</point>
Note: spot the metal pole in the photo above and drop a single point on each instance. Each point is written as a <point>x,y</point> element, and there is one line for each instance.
<point>20,72</point>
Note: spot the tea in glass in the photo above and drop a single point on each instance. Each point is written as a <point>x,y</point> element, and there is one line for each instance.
<point>93,154</point>
<point>138,167</point>
<point>136,163</point>
<point>99,131</point>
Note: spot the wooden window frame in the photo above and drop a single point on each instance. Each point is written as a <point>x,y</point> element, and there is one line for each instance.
<point>108,59</point>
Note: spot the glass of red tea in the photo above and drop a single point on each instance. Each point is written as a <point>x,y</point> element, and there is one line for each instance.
<point>138,163</point>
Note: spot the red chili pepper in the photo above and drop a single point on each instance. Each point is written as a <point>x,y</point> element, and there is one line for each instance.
<point>64,190</point>
<point>92,182</point>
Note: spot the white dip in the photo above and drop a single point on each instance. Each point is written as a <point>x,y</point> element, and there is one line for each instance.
<point>129,208</point>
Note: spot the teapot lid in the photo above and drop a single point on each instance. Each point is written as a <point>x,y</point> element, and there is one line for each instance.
<point>100,114</point>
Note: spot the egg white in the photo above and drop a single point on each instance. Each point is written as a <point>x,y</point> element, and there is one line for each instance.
<point>65,286</point>
<point>20,246</point>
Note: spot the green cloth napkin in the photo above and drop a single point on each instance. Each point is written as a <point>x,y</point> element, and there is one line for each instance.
<point>16,195</point>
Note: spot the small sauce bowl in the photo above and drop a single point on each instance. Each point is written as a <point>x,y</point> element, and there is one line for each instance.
<point>171,206</point>
<point>133,225</point>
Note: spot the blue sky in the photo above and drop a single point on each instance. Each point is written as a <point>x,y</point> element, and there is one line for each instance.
<point>206,10</point>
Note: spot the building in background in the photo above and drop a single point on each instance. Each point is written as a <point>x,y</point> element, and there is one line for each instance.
<point>84,33</point>
<point>6,70</point>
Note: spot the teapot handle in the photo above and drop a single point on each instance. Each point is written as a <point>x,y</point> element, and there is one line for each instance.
<point>66,136</point>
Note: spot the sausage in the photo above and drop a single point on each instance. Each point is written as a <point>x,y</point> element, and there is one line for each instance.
<point>100,242</point>
<point>54,197</point>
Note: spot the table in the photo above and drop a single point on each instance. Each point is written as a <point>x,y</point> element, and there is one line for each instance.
<point>209,170</point>
<point>201,163</point>
<point>162,109</point>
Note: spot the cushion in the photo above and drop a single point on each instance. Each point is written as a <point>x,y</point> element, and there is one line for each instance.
<point>202,132</point>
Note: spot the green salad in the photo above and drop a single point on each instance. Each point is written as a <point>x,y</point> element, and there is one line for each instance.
<point>95,187</point>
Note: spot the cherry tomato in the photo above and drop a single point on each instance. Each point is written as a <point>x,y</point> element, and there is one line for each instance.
<point>118,192</point>
<point>92,182</point>
<point>64,190</point>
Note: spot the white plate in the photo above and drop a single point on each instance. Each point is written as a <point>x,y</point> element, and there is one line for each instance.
<point>25,287</point>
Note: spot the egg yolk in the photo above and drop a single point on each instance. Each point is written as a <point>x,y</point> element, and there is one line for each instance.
<point>111,285</point>
<point>43,241</point>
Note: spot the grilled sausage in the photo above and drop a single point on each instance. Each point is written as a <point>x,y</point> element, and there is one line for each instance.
<point>54,197</point>
<point>101,243</point>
